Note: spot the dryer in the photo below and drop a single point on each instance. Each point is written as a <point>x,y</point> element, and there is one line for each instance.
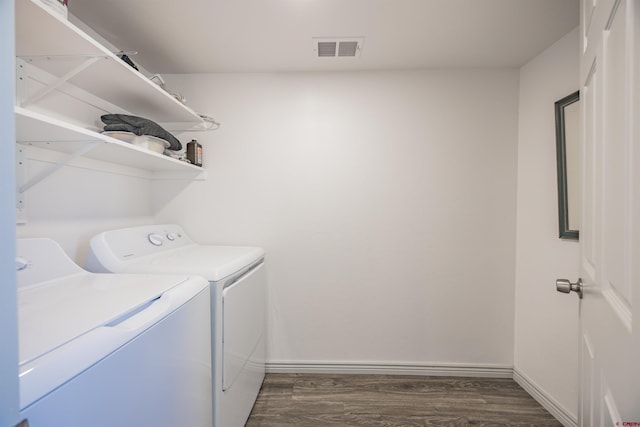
<point>110,350</point>
<point>238,302</point>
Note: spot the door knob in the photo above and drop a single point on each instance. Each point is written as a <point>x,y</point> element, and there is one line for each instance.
<point>565,286</point>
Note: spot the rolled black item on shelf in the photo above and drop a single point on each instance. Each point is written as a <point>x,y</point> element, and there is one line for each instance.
<point>128,60</point>
<point>139,126</point>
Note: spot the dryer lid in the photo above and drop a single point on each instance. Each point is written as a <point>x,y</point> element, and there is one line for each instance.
<point>214,263</point>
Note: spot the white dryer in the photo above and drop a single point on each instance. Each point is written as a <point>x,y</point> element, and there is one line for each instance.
<point>238,302</point>
<point>110,350</point>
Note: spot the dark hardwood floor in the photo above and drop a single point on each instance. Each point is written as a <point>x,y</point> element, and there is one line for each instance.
<point>303,400</point>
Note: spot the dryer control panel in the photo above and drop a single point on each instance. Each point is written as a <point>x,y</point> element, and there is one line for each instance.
<point>111,248</point>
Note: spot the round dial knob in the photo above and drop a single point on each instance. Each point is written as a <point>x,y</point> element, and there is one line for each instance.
<point>21,263</point>
<point>155,239</point>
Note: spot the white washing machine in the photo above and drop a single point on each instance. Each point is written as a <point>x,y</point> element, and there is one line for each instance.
<point>238,302</point>
<point>110,350</point>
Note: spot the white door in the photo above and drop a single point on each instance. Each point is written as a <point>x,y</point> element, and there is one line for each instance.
<point>610,236</point>
<point>8,305</point>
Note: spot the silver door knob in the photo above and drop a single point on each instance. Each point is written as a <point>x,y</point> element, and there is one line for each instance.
<point>565,286</point>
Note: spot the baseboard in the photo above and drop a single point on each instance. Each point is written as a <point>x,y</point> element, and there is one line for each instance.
<point>435,369</point>
<point>565,417</point>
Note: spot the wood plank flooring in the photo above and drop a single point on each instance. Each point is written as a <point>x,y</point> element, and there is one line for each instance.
<point>304,400</point>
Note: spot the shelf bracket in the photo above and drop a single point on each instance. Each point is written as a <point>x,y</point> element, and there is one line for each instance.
<point>21,174</point>
<point>89,60</point>
<point>21,158</point>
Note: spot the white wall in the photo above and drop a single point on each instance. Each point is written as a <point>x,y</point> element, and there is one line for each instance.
<point>546,334</point>
<point>81,200</point>
<point>385,201</point>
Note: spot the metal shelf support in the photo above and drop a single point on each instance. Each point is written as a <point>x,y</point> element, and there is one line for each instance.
<point>21,160</point>
<point>88,61</point>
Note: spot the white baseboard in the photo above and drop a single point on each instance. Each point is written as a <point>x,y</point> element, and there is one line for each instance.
<point>435,369</point>
<point>565,417</point>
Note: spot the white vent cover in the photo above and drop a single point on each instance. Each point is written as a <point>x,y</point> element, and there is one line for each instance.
<point>334,47</point>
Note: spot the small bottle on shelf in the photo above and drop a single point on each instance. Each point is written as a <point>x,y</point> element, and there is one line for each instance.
<point>194,152</point>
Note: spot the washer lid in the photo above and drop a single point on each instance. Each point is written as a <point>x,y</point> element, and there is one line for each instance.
<point>214,263</point>
<point>53,313</point>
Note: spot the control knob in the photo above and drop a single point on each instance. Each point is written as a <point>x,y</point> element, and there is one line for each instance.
<point>155,239</point>
<point>21,263</point>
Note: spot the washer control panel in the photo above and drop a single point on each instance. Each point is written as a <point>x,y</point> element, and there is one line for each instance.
<point>40,259</point>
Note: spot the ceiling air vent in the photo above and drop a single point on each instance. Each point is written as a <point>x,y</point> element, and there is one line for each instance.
<point>326,49</point>
<point>345,47</point>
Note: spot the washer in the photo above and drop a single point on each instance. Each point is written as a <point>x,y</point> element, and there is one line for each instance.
<point>238,302</point>
<point>110,350</point>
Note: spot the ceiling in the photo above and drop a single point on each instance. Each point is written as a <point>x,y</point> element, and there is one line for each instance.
<point>204,36</point>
